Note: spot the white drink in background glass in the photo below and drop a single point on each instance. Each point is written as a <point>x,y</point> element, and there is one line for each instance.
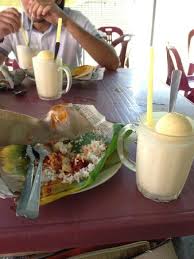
<point>24,56</point>
<point>49,78</point>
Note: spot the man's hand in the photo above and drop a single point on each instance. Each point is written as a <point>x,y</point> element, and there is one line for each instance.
<point>9,22</point>
<point>46,9</point>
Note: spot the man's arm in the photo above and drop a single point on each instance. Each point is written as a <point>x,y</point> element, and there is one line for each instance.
<point>103,53</point>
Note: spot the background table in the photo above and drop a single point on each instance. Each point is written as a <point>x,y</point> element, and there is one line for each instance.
<point>114,212</point>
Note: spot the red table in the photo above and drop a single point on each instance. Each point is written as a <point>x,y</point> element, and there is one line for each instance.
<point>114,212</point>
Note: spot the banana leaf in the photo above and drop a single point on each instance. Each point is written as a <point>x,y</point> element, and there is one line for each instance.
<point>13,166</point>
<point>21,129</point>
<point>79,124</point>
<point>109,159</point>
<point>14,162</point>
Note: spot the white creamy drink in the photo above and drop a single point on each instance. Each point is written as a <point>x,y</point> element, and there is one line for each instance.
<point>164,157</point>
<point>48,76</point>
<point>24,56</point>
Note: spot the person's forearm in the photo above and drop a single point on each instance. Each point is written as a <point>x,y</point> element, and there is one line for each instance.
<point>104,54</point>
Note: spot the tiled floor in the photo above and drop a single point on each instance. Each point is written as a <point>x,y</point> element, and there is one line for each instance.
<point>184,247</point>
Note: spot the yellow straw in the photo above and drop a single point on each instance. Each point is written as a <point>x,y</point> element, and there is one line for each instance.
<point>150,89</point>
<point>59,30</point>
<point>151,72</point>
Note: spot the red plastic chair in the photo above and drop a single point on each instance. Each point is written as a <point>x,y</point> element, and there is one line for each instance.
<point>191,65</point>
<point>110,33</point>
<point>123,40</point>
<point>174,62</point>
<point>11,63</point>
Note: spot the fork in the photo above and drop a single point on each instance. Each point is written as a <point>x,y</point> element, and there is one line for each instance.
<point>31,209</point>
<point>21,205</point>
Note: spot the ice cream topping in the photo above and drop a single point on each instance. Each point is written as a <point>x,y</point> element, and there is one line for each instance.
<point>46,55</point>
<point>174,124</point>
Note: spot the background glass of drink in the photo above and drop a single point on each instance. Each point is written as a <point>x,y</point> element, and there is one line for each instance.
<point>49,78</point>
<point>24,56</point>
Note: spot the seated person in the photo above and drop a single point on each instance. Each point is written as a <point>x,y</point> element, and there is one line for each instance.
<point>77,33</point>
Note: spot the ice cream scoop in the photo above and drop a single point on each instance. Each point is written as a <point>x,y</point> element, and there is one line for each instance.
<point>174,124</point>
<point>46,55</point>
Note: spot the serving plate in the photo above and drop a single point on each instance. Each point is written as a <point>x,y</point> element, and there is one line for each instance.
<point>104,176</point>
<point>110,168</point>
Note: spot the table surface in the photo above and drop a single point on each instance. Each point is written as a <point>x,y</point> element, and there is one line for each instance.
<point>114,212</point>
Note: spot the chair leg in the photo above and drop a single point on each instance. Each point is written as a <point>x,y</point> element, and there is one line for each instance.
<point>127,62</point>
<point>191,69</point>
<point>190,97</point>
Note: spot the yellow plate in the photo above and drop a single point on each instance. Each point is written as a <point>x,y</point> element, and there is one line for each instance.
<point>82,71</point>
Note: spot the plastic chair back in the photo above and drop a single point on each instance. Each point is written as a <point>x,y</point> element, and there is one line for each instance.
<point>123,40</point>
<point>11,63</point>
<point>174,62</point>
<point>191,65</point>
<point>110,32</point>
<point>190,35</point>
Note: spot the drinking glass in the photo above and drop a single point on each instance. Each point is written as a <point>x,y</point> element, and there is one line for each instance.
<point>162,162</point>
<point>24,56</point>
<point>49,78</point>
